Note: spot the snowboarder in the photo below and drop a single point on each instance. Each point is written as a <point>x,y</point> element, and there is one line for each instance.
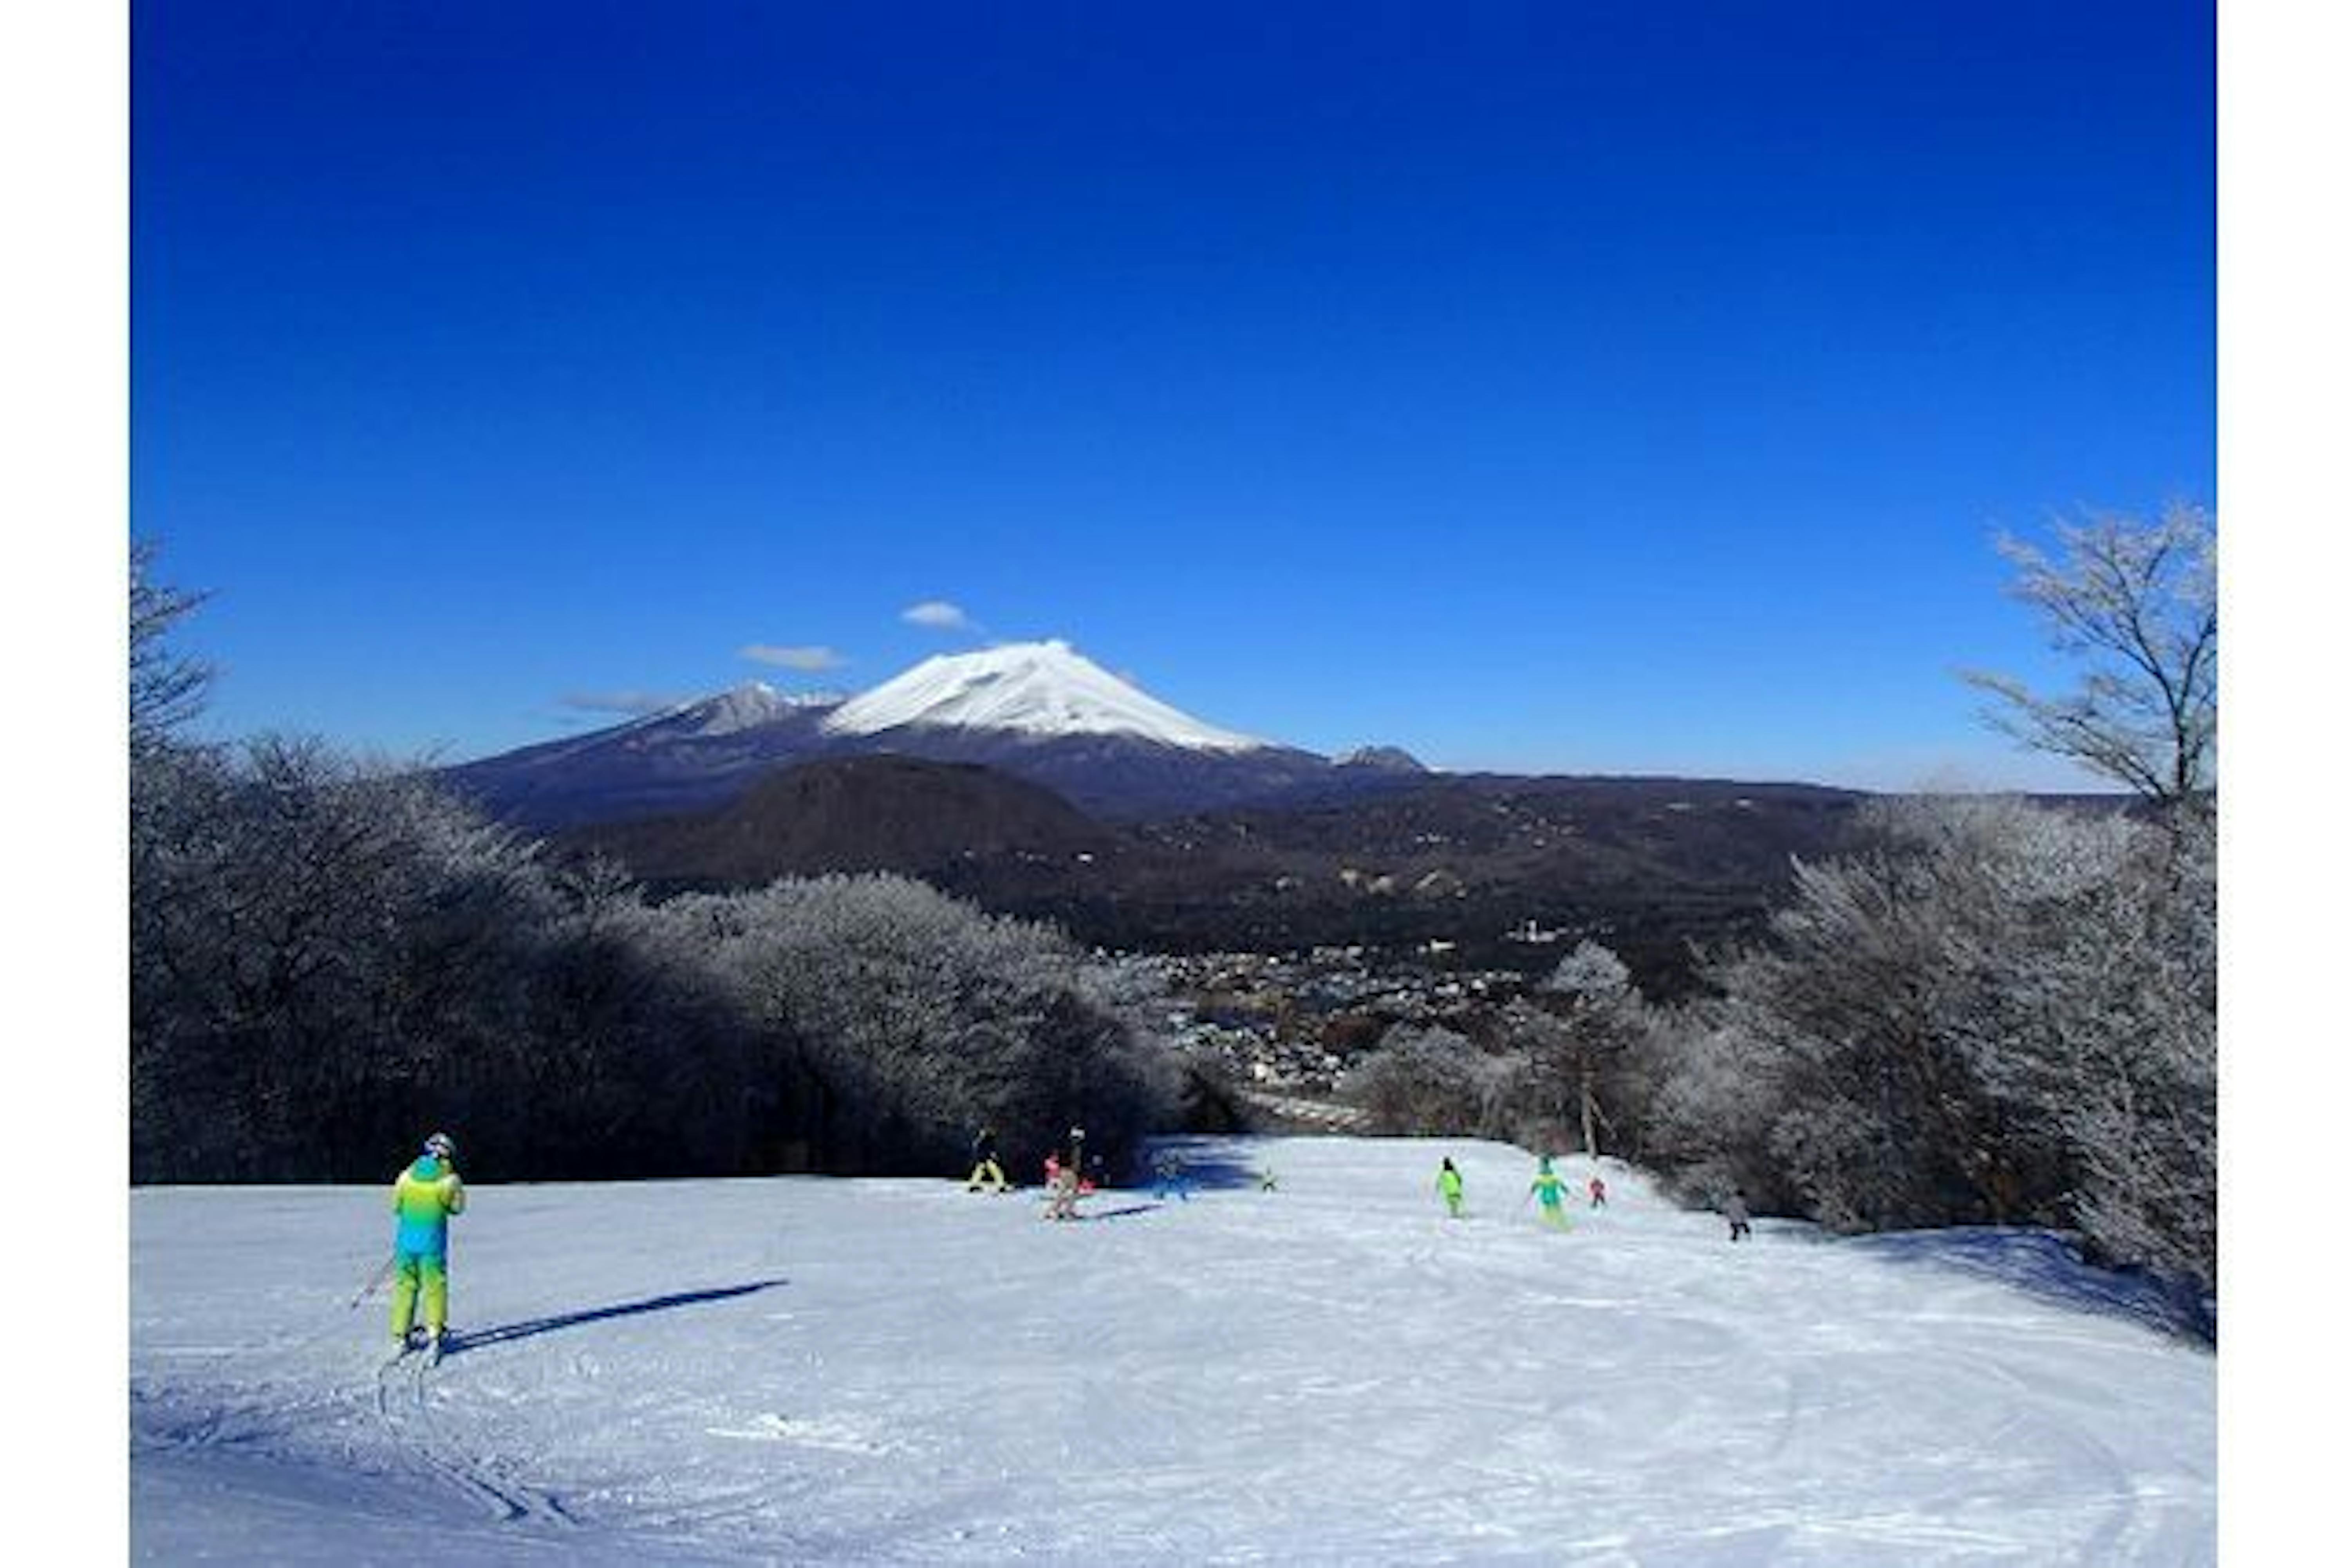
<point>424,1196</point>
<point>1448,1182</point>
<point>1168,1166</point>
<point>1735,1213</point>
<point>1550,1189</point>
<point>984,1170</point>
<point>1598,1193</point>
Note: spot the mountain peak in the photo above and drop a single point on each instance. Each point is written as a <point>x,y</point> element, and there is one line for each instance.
<point>743,707</point>
<point>1046,688</point>
<point>1383,759</point>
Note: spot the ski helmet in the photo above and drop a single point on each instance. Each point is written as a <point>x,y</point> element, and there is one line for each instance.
<point>440,1146</point>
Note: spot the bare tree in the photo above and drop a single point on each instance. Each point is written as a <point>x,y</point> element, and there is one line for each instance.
<point>2138,600</point>
<point>167,688</point>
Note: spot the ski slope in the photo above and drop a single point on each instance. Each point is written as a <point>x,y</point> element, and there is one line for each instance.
<point>810,1370</point>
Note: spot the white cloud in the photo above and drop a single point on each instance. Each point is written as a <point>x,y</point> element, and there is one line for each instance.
<point>619,701</point>
<point>793,657</point>
<point>938,615</point>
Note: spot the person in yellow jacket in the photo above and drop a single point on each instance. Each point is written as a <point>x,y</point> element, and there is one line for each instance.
<point>984,1169</point>
<point>423,1198</point>
<point>1448,1182</point>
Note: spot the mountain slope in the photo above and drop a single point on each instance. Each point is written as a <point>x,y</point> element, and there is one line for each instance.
<point>811,1370</point>
<point>853,814</point>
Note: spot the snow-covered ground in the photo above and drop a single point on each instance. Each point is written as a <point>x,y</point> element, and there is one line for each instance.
<point>806,1370</point>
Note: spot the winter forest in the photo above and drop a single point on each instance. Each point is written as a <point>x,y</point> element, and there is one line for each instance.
<point>1993,1011</point>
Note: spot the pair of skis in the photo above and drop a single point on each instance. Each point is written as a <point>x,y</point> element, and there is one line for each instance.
<point>422,1354</point>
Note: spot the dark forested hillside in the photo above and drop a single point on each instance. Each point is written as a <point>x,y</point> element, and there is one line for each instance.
<point>1496,868</point>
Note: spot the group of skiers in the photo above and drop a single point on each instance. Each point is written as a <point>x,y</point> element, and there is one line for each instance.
<point>428,1192</point>
<point>1549,1189</point>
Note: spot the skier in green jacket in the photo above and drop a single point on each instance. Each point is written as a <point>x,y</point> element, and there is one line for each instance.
<point>1550,1189</point>
<point>1448,1182</point>
<point>425,1195</point>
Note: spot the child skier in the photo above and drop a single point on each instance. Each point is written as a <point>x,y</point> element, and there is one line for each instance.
<point>1598,1193</point>
<point>985,1171</point>
<point>1448,1182</point>
<point>1735,1213</point>
<point>1060,1189</point>
<point>1168,1166</point>
<point>424,1196</point>
<point>1550,1189</point>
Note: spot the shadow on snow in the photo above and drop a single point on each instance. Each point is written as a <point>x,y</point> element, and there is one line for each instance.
<point>531,1327</point>
<point>1209,1166</point>
<point>2043,1264</point>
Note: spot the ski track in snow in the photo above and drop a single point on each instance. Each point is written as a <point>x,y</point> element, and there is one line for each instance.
<point>808,1370</point>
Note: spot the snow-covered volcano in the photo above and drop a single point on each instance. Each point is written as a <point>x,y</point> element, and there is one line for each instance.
<point>1046,688</point>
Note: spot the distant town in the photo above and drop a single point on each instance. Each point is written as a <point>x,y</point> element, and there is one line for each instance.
<point>1286,1027</point>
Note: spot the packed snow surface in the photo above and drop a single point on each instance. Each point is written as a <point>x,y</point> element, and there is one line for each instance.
<point>810,1370</point>
<point>1034,688</point>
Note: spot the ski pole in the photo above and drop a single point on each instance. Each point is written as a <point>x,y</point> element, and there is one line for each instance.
<point>375,1282</point>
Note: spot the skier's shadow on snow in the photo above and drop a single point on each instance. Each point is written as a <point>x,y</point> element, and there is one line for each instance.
<point>1206,1168</point>
<point>2045,1265</point>
<point>530,1328</point>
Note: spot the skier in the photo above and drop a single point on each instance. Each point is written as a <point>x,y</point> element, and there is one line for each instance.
<point>1598,1193</point>
<point>1735,1213</point>
<point>1061,1187</point>
<point>1267,1181</point>
<point>985,1171</point>
<point>1550,1187</point>
<point>423,1197</point>
<point>1169,1168</point>
<point>1448,1182</point>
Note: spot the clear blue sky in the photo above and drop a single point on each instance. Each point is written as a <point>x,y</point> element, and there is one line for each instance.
<point>1561,387</point>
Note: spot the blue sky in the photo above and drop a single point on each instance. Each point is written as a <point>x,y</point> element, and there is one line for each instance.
<point>1575,388</point>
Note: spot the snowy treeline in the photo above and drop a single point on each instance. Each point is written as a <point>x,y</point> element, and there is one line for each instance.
<point>1995,1012</point>
<point>328,956</point>
<point>2000,1013</point>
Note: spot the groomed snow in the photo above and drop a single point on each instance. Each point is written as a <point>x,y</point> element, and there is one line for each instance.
<point>808,1370</point>
<point>1033,687</point>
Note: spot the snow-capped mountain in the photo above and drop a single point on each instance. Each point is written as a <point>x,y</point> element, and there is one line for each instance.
<point>1041,688</point>
<point>739,707</point>
<point>1039,711</point>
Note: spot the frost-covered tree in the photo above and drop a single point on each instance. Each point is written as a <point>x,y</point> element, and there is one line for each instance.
<point>2139,602</point>
<point>1599,1008</point>
<point>1428,1079</point>
<point>167,687</point>
<point>912,1019</point>
<point>1994,1013</point>
<point>322,950</point>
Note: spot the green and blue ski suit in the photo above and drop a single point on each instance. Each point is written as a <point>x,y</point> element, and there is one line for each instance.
<point>1550,1189</point>
<point>423,1198</point>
